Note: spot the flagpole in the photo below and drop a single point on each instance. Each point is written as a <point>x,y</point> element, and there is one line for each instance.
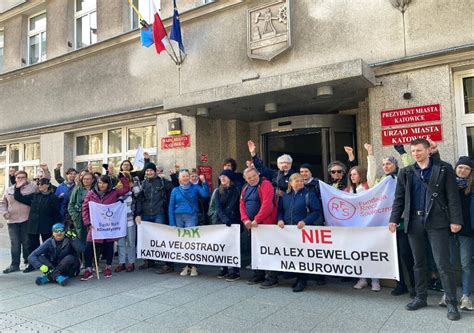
<point>136,10</point>
<point>172,48</point>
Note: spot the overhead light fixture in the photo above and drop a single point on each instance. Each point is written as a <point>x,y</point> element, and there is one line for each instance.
<point>202,111</point>
<point>271,107</point>
<point>324,91</point>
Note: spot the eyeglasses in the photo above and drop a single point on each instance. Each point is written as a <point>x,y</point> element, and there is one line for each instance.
<point>336,171</point>
<point>57,231</point>
<point>20,177</point>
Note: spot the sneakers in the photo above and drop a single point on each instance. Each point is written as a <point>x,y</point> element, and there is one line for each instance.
<point>361,284</point>
<point>232,277</point>
<point>130,268</point>
<point>376,286</point>
<point>269,283</point>
<point>107,272</point>
<point>194,271</point>
<point>40,280</point>
<point>465,303</point>
<point>28,269</point>
<point>186,270</point>
<point>62,280</point>
<point>442,302</point>
<point>255,280</point>
<point>400,289</point>
<point>165,270</point>
<point>453,313</point>
<point>87,274</point>
<point>223,274</point>
<point>119,268</point>
<point>11,269</point>
<point>415,304</point>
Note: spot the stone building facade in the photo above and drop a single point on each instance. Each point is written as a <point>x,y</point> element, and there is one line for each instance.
<point>305,77</point>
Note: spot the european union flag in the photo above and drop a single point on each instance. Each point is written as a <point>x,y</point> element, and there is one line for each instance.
<point>176,28</point>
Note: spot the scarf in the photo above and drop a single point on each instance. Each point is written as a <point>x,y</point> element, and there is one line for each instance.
<point>462,182</point>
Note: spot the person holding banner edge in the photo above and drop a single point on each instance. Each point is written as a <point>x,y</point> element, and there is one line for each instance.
<point>299,207</point>
<point>227,212</point>
<point>428,200</point>
<point>102,193</point>
<point>258,206</point>
<point>184,207</point>
<point>390,169</point>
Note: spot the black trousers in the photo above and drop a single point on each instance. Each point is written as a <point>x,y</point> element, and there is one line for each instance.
<point>405,256</point>
<point>439,241</point>
<point>34,240</point>
<point>67,266</point>
<point>107,251</point>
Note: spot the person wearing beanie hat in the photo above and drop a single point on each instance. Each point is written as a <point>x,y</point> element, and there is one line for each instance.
<point>44,212</point>
<point>58,257</point>
<point>390,168</point>
<point>462,243</point>
<point>151,205</point>
<point>227,197</point>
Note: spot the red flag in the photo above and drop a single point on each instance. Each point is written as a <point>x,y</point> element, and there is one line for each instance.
<point>159,33</point>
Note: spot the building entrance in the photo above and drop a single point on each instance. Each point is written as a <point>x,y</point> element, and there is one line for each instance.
<point>314,139</point>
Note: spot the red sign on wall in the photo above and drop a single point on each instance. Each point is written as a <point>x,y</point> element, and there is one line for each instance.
<point>401,136</point>
<point>172,142</point>
<point>207,172</point>
<point>416,114</point>
<point>204,158</point>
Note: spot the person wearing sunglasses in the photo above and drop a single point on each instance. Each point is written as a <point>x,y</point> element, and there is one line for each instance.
<point>16,214</point>
<point>58,257</point>
<point>338,170</point>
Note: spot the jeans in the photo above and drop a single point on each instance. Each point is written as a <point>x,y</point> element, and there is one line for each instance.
<point>159,218</point>
<point>107,252</point>
<point>127,248</point>
<point>461,252</point>
<point>18,239</point>
<point>439,241</point>
<point>34,240</point>
<point>186,220</point>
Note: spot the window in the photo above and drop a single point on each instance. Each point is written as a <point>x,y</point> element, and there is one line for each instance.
<point>18,156</point>
<point>37,39</point>
<point>145,7</point>
<point>85,23</point>
<point>1,50</point>
<point>113,146</point>
<point>464,94</point>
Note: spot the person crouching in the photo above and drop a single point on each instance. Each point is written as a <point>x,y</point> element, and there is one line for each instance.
<point>57,257</point>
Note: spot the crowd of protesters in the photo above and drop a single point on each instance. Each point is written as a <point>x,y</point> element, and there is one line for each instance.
<point>432,216</point>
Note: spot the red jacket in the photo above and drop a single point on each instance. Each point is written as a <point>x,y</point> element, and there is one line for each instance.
<point>110,197</point>
<point>268,207</point>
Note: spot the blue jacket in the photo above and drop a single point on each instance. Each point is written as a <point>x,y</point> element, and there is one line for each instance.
<point>186,201</point>
<point>301,206</point>
<point>52,254</point>
<point>65,188</point>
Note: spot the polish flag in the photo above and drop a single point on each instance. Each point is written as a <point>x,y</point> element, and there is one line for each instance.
<point>159,32</point>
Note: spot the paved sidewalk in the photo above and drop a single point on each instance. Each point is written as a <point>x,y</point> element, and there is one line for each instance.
<point>143,301</point>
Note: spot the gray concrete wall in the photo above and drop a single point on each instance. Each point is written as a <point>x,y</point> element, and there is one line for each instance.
<point>130,76</point>
<point>60,27</point>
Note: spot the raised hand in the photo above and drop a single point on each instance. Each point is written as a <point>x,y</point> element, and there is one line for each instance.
<point>252,147</point>
<point>369,148</point>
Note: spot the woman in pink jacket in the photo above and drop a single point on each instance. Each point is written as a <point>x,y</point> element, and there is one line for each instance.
<point>103,193</point>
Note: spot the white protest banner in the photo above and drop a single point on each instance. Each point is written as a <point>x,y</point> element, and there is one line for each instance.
<point>341,251</point>
<point>109,221</point>
<point>139,158</point>
<point>370,208</point>
<point>215,245</point>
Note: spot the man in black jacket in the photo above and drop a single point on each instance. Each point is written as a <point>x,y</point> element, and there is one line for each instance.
<point>427,199</point>
<point>58,257</point>
<point>279,178</point>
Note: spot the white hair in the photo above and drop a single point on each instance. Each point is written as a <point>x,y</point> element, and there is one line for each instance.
<point>284,157</point>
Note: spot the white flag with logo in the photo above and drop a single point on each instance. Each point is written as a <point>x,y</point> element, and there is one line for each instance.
<point>370,208</point>
<point>139,158</point>
<point>108,221</point>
